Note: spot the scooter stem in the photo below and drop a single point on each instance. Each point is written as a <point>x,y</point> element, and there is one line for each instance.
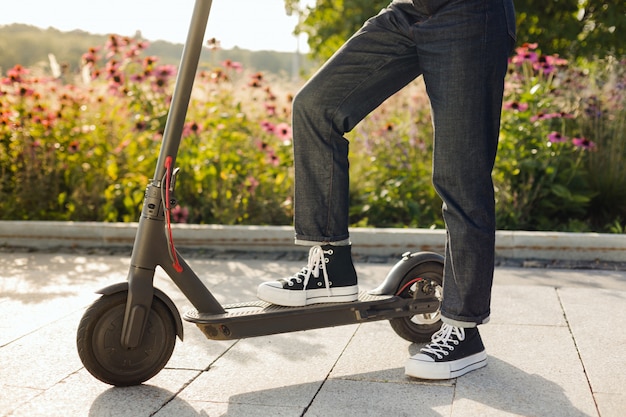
<point>184,84</point>
<point>151,246</point>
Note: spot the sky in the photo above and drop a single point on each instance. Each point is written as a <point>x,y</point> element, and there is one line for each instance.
<point>248,24</point>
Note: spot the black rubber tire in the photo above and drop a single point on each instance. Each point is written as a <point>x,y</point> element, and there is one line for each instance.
<point>99,342</point>
<point>419,328</point>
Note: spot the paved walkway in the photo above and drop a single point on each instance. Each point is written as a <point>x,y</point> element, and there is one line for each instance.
<point>556,344</point>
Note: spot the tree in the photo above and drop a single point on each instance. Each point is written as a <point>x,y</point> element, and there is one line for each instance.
<point>585,28</point>
<point>331,22</point>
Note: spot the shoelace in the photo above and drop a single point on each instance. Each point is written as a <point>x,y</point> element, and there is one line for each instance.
<point>316,263</point>
<point>444,341</point>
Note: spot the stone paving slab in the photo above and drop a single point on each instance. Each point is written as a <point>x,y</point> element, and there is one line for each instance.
<point>347,398</point>
<point>597,319</point>
<point>532,371</point>
<point>543,343</point>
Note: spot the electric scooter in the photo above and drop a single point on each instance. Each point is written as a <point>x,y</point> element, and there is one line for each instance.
<point>128,334</point>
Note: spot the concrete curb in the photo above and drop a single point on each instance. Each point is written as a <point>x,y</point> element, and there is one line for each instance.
<point>40,235</point>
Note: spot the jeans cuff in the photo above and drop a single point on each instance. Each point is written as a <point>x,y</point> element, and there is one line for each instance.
<point>463,324</point>
<point>344,242</point>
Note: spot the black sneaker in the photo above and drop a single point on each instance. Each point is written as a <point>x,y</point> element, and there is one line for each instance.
<point>329,277</point>
<point>452,352</point>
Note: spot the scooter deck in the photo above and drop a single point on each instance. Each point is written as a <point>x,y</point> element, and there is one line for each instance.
<point>258,318</point>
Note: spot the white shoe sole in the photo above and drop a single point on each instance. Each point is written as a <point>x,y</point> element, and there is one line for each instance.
<point>301,298</point>
<point>417,367</point>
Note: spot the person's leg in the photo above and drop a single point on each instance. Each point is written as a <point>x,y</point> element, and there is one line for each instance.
<point>376,62</point>
<point>464,49</point>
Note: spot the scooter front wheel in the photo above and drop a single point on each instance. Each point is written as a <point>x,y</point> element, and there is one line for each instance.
<point>425,278</point>
<point>99,342</point>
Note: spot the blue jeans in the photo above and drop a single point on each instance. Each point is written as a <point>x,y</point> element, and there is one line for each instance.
<point>460,47</point>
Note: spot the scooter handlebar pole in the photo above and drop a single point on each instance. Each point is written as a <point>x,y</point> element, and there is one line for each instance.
<point>150,247</point>
<point>184,85</point>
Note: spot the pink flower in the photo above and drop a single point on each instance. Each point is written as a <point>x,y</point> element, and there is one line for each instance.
<point>165,71</point>
<point>14,75</point>
<point>270,109</point>
<point>113,44</point>
<point>272,158</point>
<point>556,60</point>
<point>180,214</point>
<point>232,65</point>
<point>516,106</point>
<point>556,137</point>
<point>252,184</point>
<point>283,131</point>
<point>140,125</point>
<point>256,80</point>
<point>138,78</point>
<point>148,63</point>
<point>268,126</point>
<point>191,128</point>
<point>548,63</point>
<point>136,49</point>
<point>525,53</point>
<point>162,74</point>
<point>583,143</point>
<point>538,116</point>
<point>26,92</point>
<point>548,116</point>
<point>91,57</point>
<point>112,68</point>
<point>542,66</point>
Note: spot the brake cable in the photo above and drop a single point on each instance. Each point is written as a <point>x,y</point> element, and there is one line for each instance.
<point>165,196</point>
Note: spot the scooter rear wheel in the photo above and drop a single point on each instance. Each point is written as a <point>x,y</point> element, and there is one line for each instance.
<point>99,342</point>
<point>423,279</point>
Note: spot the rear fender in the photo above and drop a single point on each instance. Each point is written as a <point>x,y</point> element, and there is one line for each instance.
<point>409,260</point>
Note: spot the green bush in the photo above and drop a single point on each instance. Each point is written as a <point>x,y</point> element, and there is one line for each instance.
<point>85,148</point>
<point>562,140</point>
<point>390,157</point>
